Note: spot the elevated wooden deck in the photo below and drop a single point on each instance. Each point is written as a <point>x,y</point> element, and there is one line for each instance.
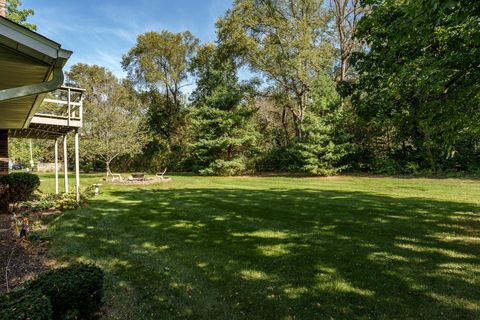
<point>60,113</point>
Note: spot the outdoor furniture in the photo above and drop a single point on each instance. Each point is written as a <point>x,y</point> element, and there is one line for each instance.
<point>137,176</point>
<point>116,177</point>
<point>161,174</point>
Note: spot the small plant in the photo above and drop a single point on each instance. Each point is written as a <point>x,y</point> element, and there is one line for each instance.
<point>76,289</point>
<point>25,304</point>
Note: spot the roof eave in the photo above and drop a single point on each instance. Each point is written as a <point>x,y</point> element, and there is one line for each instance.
<point>32,44</point>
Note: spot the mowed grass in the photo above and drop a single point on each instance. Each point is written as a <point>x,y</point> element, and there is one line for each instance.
<point>281,248</point>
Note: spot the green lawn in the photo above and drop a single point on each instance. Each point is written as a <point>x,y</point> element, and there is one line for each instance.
<point>282,248</point>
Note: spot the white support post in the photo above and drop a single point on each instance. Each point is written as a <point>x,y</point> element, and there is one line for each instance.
<point>65,162</point>
<point>69,106</point>
<point>32,163</point>
<point>77,167</point>
<point>56,166</point>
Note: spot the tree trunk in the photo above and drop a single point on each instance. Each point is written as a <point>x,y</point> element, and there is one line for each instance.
<point>427,143</point>
<point>107,164</point>
<point>285,125</point>
<point>343,67</point>
<point>229,153</point>
<point>431,159</point>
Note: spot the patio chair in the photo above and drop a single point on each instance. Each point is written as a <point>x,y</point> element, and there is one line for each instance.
<point>161,174</point>
<point>116,176</point>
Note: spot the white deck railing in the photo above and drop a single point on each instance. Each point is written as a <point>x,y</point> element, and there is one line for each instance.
<point>64,107</point>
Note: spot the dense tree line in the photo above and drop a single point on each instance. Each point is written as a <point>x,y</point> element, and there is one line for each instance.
<point>382,86</point>
<point>417,91</point>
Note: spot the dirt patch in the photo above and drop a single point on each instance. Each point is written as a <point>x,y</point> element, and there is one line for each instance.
<point>147,181</point>
<point>21,259</point>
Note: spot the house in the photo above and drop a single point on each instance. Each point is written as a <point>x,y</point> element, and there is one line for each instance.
<point>34,104</point>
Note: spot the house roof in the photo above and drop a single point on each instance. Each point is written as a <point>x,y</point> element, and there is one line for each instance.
<point>30,66</point>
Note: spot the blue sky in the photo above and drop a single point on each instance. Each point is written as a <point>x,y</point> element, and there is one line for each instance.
<point>101,31</point>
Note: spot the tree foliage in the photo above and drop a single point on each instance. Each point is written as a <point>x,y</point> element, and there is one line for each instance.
<point>347,14</point>
<point>419,80</point>
<point>158,65</point>
<point>19,15</point>
<point>325,144</point>
<point>160,61</point>
<point>111,114</point>
<point>223,134</point>
<point>380,85</point>
<point>286,42</point>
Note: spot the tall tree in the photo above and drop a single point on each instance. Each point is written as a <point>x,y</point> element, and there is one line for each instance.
<point>325,144</point>
<point>158,66</point>
<point>347,14</point>
<point>160,61</point>
<point>223,133</point>
<point>420,78</point>
<point>112,121</point>
<point>19,15</point>
<point>285,41</point>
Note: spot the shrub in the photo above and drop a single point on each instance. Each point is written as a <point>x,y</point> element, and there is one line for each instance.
<point>77,288</point>
<point>277,159</point>
<point>65,201</point>
<point>62,202</point>
<point>224,168</point>
<point>18,186</point>
<point>87,168</point>
<point>25,304</point>
<point>385,165</point>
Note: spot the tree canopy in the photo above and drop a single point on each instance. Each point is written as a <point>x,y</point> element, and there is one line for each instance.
<point>113,121</point>
<point>286,41</point>
<point>420,77</point>
<point>310,86</point>
<point>18,14</point>
<point>223,133</point>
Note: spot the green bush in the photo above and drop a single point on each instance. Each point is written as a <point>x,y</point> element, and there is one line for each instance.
<point>18,186</point>
<point>77,288</point>
<point>62,202</point>
<point>224,168</point>
<point>65,201</point>
<point>25,304</point>
<point>276,159</point>
<point>87,168</point>
<point>385,165</point>
<point>3,193</point>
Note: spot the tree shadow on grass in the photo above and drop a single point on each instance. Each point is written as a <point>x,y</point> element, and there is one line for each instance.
<point>276,254</point>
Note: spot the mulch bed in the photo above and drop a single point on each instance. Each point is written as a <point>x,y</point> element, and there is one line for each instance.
<point>20,260</point>
<point>147,181</point>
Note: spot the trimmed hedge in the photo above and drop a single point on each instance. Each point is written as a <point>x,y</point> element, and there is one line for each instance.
<point>77,288</point>
<point>18,186</point>
<point>25,304</point>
